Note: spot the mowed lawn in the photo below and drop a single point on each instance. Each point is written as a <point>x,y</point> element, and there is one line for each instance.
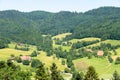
<point>102,66</point>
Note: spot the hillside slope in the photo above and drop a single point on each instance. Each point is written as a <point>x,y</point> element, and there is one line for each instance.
<point>102,22</point>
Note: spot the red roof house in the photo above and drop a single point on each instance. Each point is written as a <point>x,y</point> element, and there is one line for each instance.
<point>25,58</point>
<point>100,53</point>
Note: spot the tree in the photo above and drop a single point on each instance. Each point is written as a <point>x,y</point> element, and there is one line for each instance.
<point>67,70</point>
<point>34,54</point>
<point>18,59</point>
<point>91,74</point>
<point>35,63</point>
<point>41,73</point>
<point>55,75</point>
<point>116,76</point>
<point>12,72</point>
<point>63,62</point>
<point>2,64</point>
<point>26,62</point>
<point>117,60</point>
<point>115,52</point>
<point>77,76</point>
<point>110,59</point>
<point>3,44</point>
<point>69,62</point>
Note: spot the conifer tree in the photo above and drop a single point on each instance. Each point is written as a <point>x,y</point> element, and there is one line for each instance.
<point>91,74</point>
<point>116,76</point>
<point>55,75</point>
<point>41,73</point>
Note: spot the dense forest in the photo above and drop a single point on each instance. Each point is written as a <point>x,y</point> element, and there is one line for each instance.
<point>102,22</point>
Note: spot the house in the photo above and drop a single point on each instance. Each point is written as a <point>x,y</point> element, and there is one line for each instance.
<point>100,53</point>
<point>89,50</point>
<point>12,59</point>
<point>25,58</point>
<point>20,44</point>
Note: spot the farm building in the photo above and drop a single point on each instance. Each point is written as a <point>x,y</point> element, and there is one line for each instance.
<point>25,58</point>
<point>100,53</point>
<point>89,50</point>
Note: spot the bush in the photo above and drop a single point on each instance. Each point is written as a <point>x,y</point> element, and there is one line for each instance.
<point>35,63</point>
<point>26,62</point>
<point>18,59</point>
<point>34,54</point>
<point>67,70</point>
<point>63,62</point>
<point>117,60</point>
<point>110,59</point>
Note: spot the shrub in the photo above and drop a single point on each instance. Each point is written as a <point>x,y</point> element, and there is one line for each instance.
<point>110,59</point>
<point>117,60</point>
<point>63,62</point>
<point>18,59</point>
<point>67,70</point>
<point>35,63</point>
<point>34,54</point>
<point>26,62</point>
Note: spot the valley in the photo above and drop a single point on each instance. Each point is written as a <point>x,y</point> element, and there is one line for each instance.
<point>101,64</point>
<point>41,45</point>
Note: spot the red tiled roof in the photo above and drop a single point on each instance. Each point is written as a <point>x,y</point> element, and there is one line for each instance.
<point>25,58</point>
<point>100,53</point>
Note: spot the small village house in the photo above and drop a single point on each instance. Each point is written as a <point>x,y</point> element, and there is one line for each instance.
<point>26,57</point>
<point>100,53</point>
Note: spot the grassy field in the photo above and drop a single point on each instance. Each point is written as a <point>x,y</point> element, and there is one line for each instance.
<point>84,39</point>
<point>61,36</point>
<point>7,52</point>
<point>112,42</point>
<point>13,44</point>
<point>102,66</point>
<point>49,60</point>
<point>67,48</point>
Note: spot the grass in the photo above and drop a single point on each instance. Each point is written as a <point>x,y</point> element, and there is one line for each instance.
<point>67,48</point>
<point>7,52</point>
<point>84,39</point>
<point>61,36</point>
<point>49,60</point>
<point>13,44</point>
<point>112,42</point>
<point>102,66</point>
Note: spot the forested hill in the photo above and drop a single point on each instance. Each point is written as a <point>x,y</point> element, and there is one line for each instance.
<point>27,27</point>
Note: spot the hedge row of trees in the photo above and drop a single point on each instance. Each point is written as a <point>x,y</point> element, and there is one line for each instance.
<point>80,44</point>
